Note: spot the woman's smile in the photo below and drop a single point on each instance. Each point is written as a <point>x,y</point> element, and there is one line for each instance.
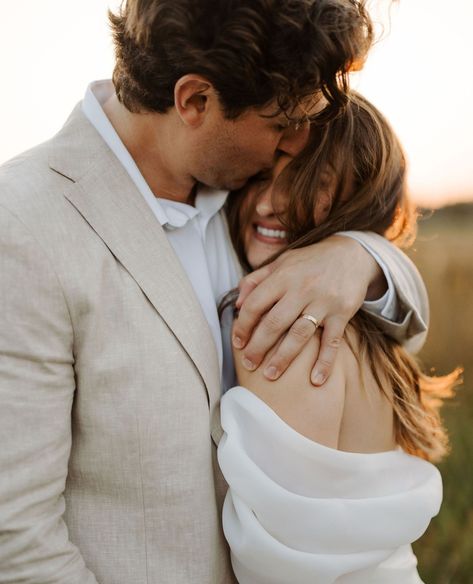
<point>263,239</point>
<point>272,234</point>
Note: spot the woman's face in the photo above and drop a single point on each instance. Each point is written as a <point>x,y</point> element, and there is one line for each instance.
<point>264,234</point>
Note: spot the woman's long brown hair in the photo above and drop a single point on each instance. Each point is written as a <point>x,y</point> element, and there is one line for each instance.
<point>360,149</point>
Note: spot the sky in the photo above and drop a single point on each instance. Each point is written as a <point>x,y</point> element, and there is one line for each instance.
<point>418,74</point>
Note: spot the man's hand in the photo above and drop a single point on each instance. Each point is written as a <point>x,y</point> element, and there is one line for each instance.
<point>328,280</point>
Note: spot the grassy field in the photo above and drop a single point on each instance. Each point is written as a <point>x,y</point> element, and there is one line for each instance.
<point>444,255</point>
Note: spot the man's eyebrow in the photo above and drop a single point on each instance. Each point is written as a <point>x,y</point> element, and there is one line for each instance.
<point>283,117</point>
<point>304,115</point>
<point>275,114</point>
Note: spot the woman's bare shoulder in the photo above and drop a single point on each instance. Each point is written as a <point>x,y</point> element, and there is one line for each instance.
<point>368,422</point>
<point>314,412</point>
<point>350,411</point>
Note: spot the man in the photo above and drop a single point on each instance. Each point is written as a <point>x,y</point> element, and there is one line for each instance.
<point>112,260</point>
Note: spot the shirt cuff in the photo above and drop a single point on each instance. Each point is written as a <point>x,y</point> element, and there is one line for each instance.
<point>387,305</point>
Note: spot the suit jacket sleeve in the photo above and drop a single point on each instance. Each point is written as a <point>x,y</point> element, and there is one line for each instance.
<point>36,394</point>
<point>412,319</point>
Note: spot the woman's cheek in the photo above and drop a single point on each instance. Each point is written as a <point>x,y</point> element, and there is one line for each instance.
<point>322,207</point>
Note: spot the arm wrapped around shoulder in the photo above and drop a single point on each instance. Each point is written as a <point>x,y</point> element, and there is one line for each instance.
<point>408,321</point>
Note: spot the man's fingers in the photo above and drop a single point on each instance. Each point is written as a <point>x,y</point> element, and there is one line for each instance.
<point>250,282</point>
<point>292,344</point>
<point>331,339</point>
<point>256,306</point>
<point>268,331</point>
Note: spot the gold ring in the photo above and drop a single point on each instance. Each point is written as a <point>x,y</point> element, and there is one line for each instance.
<point>312,319</point>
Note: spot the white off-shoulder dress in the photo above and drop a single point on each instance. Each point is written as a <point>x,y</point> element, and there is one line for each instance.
<point>298,512</point>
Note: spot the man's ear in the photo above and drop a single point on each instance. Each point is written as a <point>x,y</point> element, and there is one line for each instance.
<point>192,97</point>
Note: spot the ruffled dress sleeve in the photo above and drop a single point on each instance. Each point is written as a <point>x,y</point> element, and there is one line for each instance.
<point>298,512</point>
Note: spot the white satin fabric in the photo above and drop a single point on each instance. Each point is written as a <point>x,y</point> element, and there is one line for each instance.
<point>298,512</point>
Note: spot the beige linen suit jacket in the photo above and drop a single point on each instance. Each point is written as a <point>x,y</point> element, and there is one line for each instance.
<point>109,380</point>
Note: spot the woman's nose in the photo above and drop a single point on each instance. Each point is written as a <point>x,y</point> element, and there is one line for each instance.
<point>264,206</point>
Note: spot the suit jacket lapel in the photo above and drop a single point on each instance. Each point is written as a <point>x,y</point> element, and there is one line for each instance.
<point>106,197</point>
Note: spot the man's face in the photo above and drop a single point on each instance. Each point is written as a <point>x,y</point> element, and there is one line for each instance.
<point>226,153</point>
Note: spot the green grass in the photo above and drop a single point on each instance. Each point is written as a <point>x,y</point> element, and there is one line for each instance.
<point>444,255</point>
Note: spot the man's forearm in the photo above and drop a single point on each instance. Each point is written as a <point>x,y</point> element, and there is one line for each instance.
<point>404,312</point>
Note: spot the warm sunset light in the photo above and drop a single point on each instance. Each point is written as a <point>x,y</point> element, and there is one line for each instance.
<point>137,392</point>
<point>418,75</point>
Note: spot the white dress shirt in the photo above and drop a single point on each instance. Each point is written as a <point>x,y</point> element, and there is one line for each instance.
<point>199,235</point>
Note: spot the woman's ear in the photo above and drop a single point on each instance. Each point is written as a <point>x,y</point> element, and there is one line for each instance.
<point>192,94</point>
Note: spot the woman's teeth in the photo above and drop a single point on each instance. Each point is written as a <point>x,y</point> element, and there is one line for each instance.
<point>276,233</point>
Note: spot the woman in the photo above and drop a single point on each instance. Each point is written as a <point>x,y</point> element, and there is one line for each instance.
<point>331,485</point>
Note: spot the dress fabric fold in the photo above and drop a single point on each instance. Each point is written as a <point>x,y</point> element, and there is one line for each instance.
<point>298,512</point>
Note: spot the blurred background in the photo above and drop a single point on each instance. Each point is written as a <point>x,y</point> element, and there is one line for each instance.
<point>419,75</point>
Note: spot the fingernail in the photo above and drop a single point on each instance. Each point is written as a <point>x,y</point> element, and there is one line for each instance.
<point>247,364</point>
<point>319,379</point>
<point>271,372</point>
<point>237,342</point>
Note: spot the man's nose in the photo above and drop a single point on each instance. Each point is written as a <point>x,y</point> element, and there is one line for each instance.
<point>294,139</point>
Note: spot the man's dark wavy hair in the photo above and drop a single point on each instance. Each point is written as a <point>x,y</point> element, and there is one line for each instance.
<point>251,51</point>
